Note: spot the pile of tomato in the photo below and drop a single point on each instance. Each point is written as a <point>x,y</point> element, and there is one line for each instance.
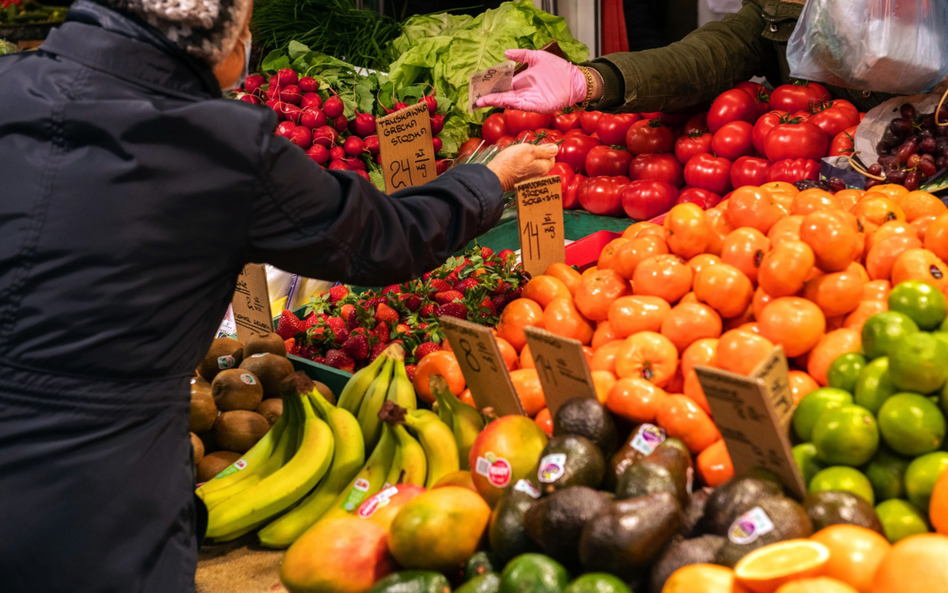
<point>641,164</point>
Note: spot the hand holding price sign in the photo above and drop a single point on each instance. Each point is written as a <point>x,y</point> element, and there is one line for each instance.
<point>540,215</point>
<point>407,148</point>
<point>251,303</point>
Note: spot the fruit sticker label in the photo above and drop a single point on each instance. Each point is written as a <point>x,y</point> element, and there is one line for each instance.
<point>750,526</point>
<point>233,468</point>
<point>376,502</point>
<point>647,438</point>
<point>551,467</point>
<point>259,354</point>
<point>356,495</point>
<point>497,470</point>
<point>248,379</point>
<point>226,362</point>
<point>527,488</point>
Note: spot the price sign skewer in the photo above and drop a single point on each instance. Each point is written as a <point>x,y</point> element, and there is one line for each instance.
<point>407,148</point>
<point>540,217</point>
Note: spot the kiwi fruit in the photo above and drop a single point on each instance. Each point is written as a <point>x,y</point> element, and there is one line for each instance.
<point>271,343</point>
<point>236,389</point>
<point>203,409</point>
<point>224,353</point>
<point>271,409</point>
<point>239,430</point>
<point>215,463</point>
<point>197,448</point>
<point>270,369</point>
<point>326,392</point>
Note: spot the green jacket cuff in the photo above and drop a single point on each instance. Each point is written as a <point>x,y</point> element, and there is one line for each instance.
<point>613,91</point>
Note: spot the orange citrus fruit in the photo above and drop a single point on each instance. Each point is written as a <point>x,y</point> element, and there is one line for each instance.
<point>543,289</point>
<point>794,323</point>
<point>635,399</point>
<point>831,345</point>
<point>517,315</point>
<point>687,322</point>
<point>664,276</point>
<point>917,204</point>
<point>438,363</point>
<point>631,314</point>
<point>714,464</point>
<point>630,255</point>
<point>565,274</point>
<point>648,355</point>
<point>855,554</point>
<point>783,270</point>
<point>832,239</point>
<point>915,564</point>
<point>683,419</point>
<point>765,569</point>
<point>725,288</point>
<point>816,585</point>
<point>563,319</point>
<point>686,230</point>
<point>741,351</point>
<point>526,383</point>
<point>597,291</point>
<point>609,251</point>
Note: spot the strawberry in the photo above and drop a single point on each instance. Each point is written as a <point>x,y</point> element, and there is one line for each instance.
<point>514,294</point>
<point>401,328</point>
<point>338,359</point>
<point>357,347</point>
<point>382,331</point>
<point>438,285</point>
<point>452,310</point>
<point>410,371</point>
<point>337,293</point>
<point>487,253</point>
<point>338,327</point>
<point>291,347</point>
<point>289,325</point>
<point>313,319</point>
<point>499,302</point>
<point>426,349</point>
<point>377,350</point>
<point>427,310</point>
<point>448,296</point>
<point>393,288</point>
<point>467,284</point>
<point>319,360</point>
<point>507,256</point>
<point>422,325</point>
<point>386,313</point>
<point>488,304</point>
<point>350,315</point>
<point>426,276</point>
<point>413,302</point>
<point>502,288</point>
<point>452,279</point>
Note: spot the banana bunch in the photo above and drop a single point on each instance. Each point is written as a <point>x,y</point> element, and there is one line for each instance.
<point>383,380</point>
<point>465,422</point>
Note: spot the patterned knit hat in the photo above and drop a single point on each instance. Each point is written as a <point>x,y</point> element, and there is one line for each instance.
<point>205,29</point>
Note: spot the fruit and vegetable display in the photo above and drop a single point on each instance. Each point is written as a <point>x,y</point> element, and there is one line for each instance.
<point>912,149</point>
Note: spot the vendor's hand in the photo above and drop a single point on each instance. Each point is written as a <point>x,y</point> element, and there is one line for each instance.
<point>520,162</point>
<point>548,84</point>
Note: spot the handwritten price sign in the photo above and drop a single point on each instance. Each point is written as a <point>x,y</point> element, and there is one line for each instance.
<point>251,303</point>
<point>561,366</point>
<point>540,213</point>
<point>405,141</point>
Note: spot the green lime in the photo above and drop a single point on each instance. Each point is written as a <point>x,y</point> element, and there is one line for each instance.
<point>844,372</point>
<point>921,475</point>
<point>597,582</point>
<point>919,363</point>
<point>874,385</point>
<point>815,403</point>
<point>911,424</point>
<point>807,460</point>
<point>844,479</point>
<point>882,329</point>
<point>886,471</point>
<point>900,519</point>
<point>943,399</point>
<point>943,327</point>
<point>924,303</point>
<point>846,436</point>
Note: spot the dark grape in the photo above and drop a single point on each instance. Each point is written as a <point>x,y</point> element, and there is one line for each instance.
<point>941,131</point>
<point>913,161</point>
<point>927,122</point>
<point>875,169</point>
<point>805,184</point>
<point>941,144</point>
<point>927,167</point>
<point>943,114</point>
<point>883,147</point>
<point>900,126</point>
<point>870,183</point>
<point>897,176</point>
<point>888,162</point>
<point>907,111</point>
<point>928,145</point>
<point>908,148</point>
<point>941,163</point>
<point>836,184</point>
<point>911,181</point>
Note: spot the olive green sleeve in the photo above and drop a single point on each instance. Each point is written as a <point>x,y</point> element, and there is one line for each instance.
<point>692,71</point>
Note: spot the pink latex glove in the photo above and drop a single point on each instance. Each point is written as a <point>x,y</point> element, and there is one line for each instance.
<point>549,83</point>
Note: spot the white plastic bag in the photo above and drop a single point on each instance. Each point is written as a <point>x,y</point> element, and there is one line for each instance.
<point>890,46</point>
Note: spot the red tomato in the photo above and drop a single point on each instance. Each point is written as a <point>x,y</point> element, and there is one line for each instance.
<point>663,167</point>
<point>571,195</point>
<point>650,137</point>
<point>759,92</point>
<point>647,198</point>
<point>699,196</point>
<point>842,144</point>
<point>576,132</point>
<point>518,121</point>
<point>567,119</point>
<point>471,145</point>
<point>792,170</point>
<point>691,144</point>
<point>504,141</point>
<point>749,170</point>
<point>611,128</point>
<point>565,172</point>
<point>588,120</point>
<point>697,123</point>
<point>494,127</point>
<point>834,116</point>
<point>602,195</point>
<point>573,151</point>
<point>732,105</point>
<point>791,139</point>
<point>674,119</point>
<point>798,96</point>
<point>733,140</point>
<point>709,172</point>
<point>607,161</point>
<point>763,127</point>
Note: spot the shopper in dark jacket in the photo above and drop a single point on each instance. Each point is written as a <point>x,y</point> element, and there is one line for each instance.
<point>131,195</point>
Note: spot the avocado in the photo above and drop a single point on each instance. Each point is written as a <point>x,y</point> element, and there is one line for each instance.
<point>641,442</point>
<point>556,522</point>
<point>215,463</point>
<point>832,508</point>
<point>486,583</point>
<point>479,564</point>
<point>506,532</point>
<point>270,369</point>
<point>674,443</point>
<point>197,449</point>
<point>239,430</point>
<point>271,409</point>
<point>647,477</point>
<point>700,550</point>
<point>626,538</point>
<point>224,353</point>
<point>586,417</point>
<point>597,582</point>
<point>766,521</point>
<point>570,460</point>
<point>236,389</point>
<point>694,512</point>
<point>412,581</point>
<point>271,343</point>
<point>203,409</point>
<point>533,573</point>
<point>725,503</point>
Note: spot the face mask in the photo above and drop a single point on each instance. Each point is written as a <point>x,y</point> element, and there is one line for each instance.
<point>246,71</point>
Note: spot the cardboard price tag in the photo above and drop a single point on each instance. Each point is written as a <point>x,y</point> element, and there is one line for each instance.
<point>561,366</point>
<point>540,219</point>
<point>487,82</point>
<point>752,414</point>
<point>408,156</point>
<point>482,365</point>
<point>251,303</point>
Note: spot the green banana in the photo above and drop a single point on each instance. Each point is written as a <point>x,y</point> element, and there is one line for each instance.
<point>348,458</point>
<point>368,481</point>
<point>372,403</point>
<point>358,386</point>
<point>437,439</point>
<point>410,465</point>
<point>466,422</point>
<point>289,484</point>
<point>401,391</point>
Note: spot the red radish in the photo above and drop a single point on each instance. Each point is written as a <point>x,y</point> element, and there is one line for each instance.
<point>354,164</point>
<point>312,118</point>
<point>311,100</point>
<point>308,84</point>
<point>318,153</point>
<point>364,124</point>
<point>338,165</point>
<point>290,112</point>
<point>400,105</point>
<point>372,144</point>
<point>301,136</point>
<point>363,174</point>
<point>274,104</point>
<point>333,107</point>
<point>441,165</point>
<point>291,94</point>
<point>437,144</point>
<point>253,99</point>
<point>285,129</point>
<point>378,159</point>
<point>353,145</point>
<point>337,153</point>
<point>437,124</point>
<point>287,76</point>
<point>341,124</point>
<point>326,135</point>
<point>273,90</point>
<point>253,83</point>
<point>432,104</point>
